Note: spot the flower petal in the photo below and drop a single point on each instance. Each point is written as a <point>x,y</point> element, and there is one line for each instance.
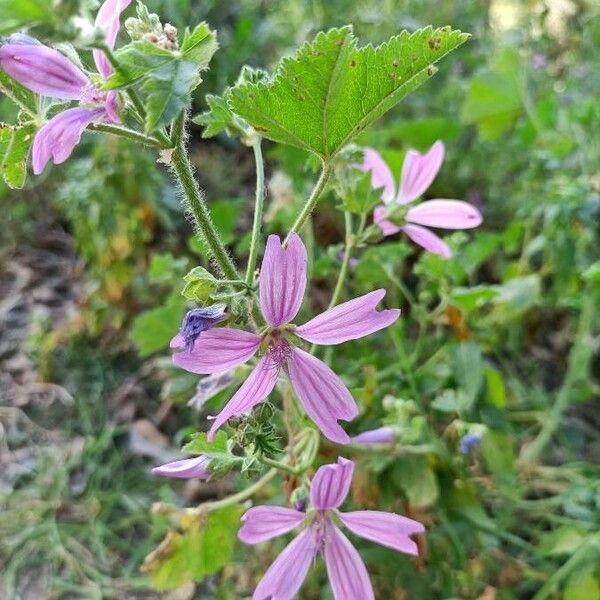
<point>262,523</point>
<point>254,390</point>
<point>285,576</point>
<point>348,321</point>
<point>418,172</point>
<point>186,468</point>
<point>322,393</point>
<point>331,484</point>
<point>282,279</point>
<point>108,19</point>
<point>346,571</point>
<point>58,137</point>
<point>381,176</point>
<point>216,350</point>
<point>43,70</point>
<point>382,435</point>
<point>387,227</point>
<point>384,528</point>
<point>428,240</point>
<point>445,214</point>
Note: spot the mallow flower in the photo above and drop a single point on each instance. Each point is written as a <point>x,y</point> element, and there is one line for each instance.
<point>418,172</point>
<point>321,392</point>
<point>48,72</point>
<point>381,435</point>
<point>320,533</point>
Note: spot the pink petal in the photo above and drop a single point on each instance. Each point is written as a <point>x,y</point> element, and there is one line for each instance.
<point>262,523</point>
<point>428,240</point>
<point>331,484</point>
<point>108,19</point>
<point>110,106</point>
<point>348,321</point>
<point>285,576</point>
<point>445,214</point>
<point>346,571</point>
<point>43,70</point>
<point>57,139</point>
<point>419,171</point>
<point>387,227</point>
<point>382,435</point>
<point>323,394</point>
<point>187,468</point>
<point>282,279</point>
<point>381,175</point>
<point>384,528</point>
<point>254,390</point>
<point>216,350</point>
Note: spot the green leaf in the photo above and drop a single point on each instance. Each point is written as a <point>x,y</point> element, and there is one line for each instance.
<point>331,90</point>
<point>363,198</point>
<point>217,118</point>
<point>164,267</point>
<point>152,329</point>
<point>200,284</point>
<point>16,14</point>
<point>199,444</point>
<point>562,541</point>
<point>582,585</point>
<point>494,102</point>
<point>468,369</point>
<point>167,77</point>
<point>498,453</point>
<point>417,479</point>
<point>496,390</point>
<point>200,550</point>
<point>15,142</point>
<point>20,95</point>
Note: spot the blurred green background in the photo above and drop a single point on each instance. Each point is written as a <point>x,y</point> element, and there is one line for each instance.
<point>501,340</point>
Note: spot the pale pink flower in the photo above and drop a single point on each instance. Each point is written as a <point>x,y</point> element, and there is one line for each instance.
<point>381,435</point>
<point>48,72</point>
<point>321,392</point>
<point>186,468</point>
<point>320,534</point>
<point>418,172</point>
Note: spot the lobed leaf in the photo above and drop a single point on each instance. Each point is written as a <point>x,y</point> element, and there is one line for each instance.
<point>331,90</point>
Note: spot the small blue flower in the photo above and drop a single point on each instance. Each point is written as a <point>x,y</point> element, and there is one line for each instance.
<point>198,320</point>
<point>469,442</point>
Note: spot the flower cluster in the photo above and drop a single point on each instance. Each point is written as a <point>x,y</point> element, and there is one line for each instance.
<point>48,72</point>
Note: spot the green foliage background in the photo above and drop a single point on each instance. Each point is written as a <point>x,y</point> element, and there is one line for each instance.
<point>503,339</point>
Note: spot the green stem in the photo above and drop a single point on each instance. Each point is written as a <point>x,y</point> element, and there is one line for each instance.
<point>234,498</point>
<point>311,202</point>
<point>125,132</point>
<point>579,358</point>
<point>258,211</point>
<point>185,175</point>
<point>345,261</point>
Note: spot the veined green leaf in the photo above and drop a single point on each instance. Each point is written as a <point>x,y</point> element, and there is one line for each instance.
<point>331,90</point>
<point>15,142</point>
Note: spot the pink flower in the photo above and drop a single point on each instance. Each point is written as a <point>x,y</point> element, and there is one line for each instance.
<point>186,468</point>
<point>47,72</point>
<point>346,571</point>
<point>382,435</point>
<point>321,392</point>
<point>418,172</point>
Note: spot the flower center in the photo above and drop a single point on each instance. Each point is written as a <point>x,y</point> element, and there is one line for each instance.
<point>279,350</point>
<point>91,95</point>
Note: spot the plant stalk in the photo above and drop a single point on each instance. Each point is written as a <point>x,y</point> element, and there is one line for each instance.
<point>258,211</point>
<point>185,175</point>
<point>311,202</point>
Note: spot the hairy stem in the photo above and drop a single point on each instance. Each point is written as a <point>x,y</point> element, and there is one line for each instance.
<point>185,175</point>
<point>312,201</point>
<point>125,132</point>
<point>258,211</point>
<point>339,286</point>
